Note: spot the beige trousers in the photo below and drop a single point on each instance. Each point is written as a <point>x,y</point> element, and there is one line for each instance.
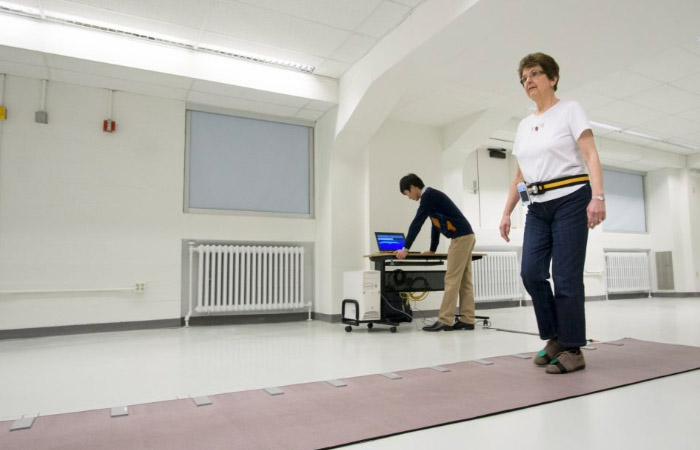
<point>458,282</point>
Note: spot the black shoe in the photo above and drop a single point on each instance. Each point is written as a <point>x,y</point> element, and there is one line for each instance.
<point>463,326</point>
<point>438,326</point>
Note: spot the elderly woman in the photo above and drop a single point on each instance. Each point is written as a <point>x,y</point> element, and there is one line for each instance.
<point>560,178</point>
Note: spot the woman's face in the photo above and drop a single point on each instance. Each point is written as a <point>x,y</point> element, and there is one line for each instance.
<point>535,82</point>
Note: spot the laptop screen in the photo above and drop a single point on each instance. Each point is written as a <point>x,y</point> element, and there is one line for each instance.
<point>390,242</point>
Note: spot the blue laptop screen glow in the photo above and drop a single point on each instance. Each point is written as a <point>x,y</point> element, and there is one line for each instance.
<point>390,242</point>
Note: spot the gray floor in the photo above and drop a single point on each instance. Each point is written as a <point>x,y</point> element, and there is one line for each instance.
<point>104,370</point>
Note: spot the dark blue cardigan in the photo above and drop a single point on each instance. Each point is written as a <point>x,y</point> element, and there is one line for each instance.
<point>445,216</point>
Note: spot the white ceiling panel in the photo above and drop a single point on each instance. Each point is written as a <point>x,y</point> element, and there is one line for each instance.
<point>667,98</point>
<point>411,3</point>
<point>26,3</point>
<point>692,45</point>
<point>621,84</point>
<point>117,18</point>
<point>445,106</point>
<point>670,126</point>
<point>639,69</point>
<point>626,113</point>
<point>588,99</point>
<point>354,48</point>
<point>384,19</point>
<point>345,14</point>
<point>670,147</point>
<point>234,45</point>
<point>693,114</point>
<point>690,84</point>
<point>692,139</point>
<point>668,66</point>
<point>275,29</point>
<point>180,12</point>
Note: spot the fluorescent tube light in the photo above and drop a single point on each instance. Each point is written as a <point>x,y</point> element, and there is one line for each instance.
<point>637,134</point>
<point>35,13</point>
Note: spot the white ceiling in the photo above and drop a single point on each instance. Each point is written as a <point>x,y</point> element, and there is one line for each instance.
<point>632,64</point>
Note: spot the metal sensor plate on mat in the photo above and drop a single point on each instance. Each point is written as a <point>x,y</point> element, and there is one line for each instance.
<point>482,361</point>
<point>23,424</point>
<point>392,376</point>
<point>120,411</point>
<point>201,401</point>
<point>274,391</point>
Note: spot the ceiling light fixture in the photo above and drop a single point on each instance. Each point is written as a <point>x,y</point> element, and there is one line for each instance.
<point>637,134</point>
<point>35,13</point>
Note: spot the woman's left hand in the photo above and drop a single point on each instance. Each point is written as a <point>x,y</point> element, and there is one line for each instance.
<point>595,212</point>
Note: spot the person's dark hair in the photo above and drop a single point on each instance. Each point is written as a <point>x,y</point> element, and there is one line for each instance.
<point>547,63</point>
<point>410,180</point>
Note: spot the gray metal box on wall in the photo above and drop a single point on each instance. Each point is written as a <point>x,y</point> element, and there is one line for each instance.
<point>664,270</point>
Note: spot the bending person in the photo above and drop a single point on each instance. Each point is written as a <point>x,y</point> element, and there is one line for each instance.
<point>554,146</point>
<point>448,220</point>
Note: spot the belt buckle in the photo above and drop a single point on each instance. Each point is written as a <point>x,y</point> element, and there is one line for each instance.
<point>532,189</point>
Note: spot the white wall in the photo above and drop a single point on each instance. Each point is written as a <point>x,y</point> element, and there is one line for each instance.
<point>694,212</point>
<point>84,209</point>
<point>672,216</point>
<point>398,149</point>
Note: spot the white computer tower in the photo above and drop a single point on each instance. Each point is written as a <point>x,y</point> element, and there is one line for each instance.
<point>361,295</point>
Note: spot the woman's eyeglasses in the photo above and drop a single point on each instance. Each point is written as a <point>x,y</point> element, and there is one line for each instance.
<point>534,74</point>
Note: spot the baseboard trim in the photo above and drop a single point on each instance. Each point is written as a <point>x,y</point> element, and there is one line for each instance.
<point>498,304</point>
<point>592,298</point>
<point>628,296</point>
<point>675,294</point>
<point>247,319</point>
<point>24,333</point>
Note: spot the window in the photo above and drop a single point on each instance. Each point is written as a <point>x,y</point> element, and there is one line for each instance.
<point>624,202</point>
<point>247,164</point>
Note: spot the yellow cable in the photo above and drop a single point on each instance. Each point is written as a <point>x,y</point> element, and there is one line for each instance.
<point>416,297</point>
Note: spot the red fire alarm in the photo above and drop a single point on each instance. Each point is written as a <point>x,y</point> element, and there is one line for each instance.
<point>109,125</point>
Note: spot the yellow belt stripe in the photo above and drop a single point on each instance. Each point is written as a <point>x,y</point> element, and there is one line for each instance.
<point>565,182</point>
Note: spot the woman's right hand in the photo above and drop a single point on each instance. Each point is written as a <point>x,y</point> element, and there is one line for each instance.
<point>504,227</point>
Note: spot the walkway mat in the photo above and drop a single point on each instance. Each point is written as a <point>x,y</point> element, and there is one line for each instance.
<point>332,413</point>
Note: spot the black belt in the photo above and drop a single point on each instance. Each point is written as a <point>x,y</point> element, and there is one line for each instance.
<point>541,187</point>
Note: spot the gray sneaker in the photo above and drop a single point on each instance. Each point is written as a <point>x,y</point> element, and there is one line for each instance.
<point>548,353</point>
<point>566,362</point>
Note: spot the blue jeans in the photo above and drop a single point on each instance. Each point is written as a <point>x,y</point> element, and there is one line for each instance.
<point>556,231</point>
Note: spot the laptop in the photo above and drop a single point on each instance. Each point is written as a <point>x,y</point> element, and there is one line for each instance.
<point>389,242</point>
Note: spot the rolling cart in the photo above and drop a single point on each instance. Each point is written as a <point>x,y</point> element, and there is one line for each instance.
<point>351,308</point>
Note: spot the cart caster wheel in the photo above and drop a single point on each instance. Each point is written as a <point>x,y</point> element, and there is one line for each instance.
<point>487,324</point>
<point>348,328</point>
<point>370,325</point>
<point>392,329</point>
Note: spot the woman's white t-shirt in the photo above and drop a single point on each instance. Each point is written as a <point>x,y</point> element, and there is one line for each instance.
<point>546,148</point>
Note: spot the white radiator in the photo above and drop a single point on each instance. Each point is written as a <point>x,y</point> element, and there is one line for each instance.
<point>230,278</point>
<point>496,276</point>
<point>627,272</point>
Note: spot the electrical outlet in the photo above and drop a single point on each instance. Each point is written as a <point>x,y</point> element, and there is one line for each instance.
<point>140,287</point>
